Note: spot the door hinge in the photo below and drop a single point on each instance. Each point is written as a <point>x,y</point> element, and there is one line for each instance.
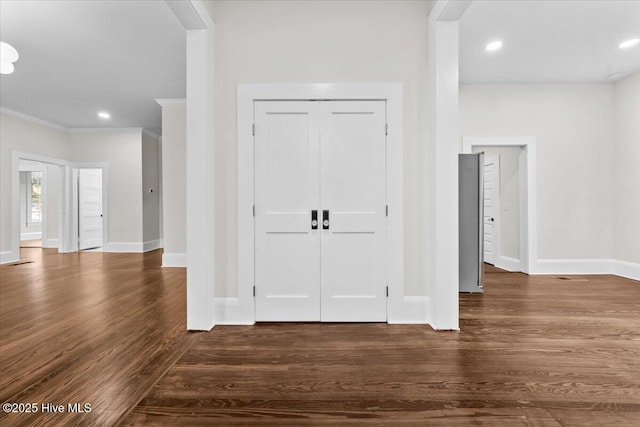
<point>387,291</point>
<point>387,210</point>
<point>253,129</point>
<point>254,210</point>
<point>254,291</point>
<point>386,128</point>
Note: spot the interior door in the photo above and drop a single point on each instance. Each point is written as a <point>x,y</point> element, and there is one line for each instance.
<point>287,246</point>
<point>89,208</point>
<point>352,199</point>
<point>491,208</point>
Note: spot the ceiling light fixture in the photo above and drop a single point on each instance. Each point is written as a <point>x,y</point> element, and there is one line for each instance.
<point>493,46</point>
<point>104,115</point>
<point>629,43</point>
<point>8,55</point>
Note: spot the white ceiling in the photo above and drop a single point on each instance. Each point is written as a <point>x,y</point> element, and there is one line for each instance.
<point>80,57</point>
<point>548,41</point>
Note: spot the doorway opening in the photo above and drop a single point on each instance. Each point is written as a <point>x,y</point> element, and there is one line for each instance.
<point>510,220</point>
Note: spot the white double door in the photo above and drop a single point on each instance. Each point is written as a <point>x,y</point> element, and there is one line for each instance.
<point>320,211</point>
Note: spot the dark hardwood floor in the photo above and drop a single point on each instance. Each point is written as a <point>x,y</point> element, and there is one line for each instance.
<point>87,328</point>
<point>537,351</point>
<point>104,328</point>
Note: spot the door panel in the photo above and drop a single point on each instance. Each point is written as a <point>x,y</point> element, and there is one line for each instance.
<point>89,208</point>
<point>287,253</point>
<point>352,182</point>
<point>491,208</point>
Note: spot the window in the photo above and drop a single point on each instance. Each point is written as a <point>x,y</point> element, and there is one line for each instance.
<point>34,198</point>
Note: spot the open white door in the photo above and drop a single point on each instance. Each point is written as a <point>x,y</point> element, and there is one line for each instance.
<point>353,201</point>
<point>491,208</point>
<point>287,246</point>
<point>89,208</point>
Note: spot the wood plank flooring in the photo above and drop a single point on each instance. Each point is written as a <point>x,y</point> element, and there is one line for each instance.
<point>87,328</point>
<point>533,351</point>
<point>104,328</point>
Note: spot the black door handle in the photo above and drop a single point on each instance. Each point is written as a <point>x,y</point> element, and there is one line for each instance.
<point>314,219</point>
<point>325,220</point>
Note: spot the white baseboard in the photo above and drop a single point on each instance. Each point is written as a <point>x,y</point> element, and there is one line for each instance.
<point>630,270</point>
<point>229,311</point>
<point>151,245</point>
<point>509,264</point>
<point>574,266</point>
<point>50,243</point>
<point>8,256</point>
<point>414,310</point>
<point>31,236</point>
<point>174,260</point>
<point>130,247</point>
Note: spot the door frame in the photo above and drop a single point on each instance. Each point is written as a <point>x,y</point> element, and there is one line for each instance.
<point>242,309</point>
<point>527,188</point>
<point>16,156</point>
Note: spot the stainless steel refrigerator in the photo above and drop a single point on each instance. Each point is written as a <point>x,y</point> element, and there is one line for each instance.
<point>471,222</point>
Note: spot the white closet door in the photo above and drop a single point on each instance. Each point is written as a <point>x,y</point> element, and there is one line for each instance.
<point>89,208</point>
<point>353,191</point>
<point>287,257</point>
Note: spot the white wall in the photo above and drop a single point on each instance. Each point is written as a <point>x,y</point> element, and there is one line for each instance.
<point>573,125</point>
<point>122,151</point>
<point>626,190</point>
<point>25,136</point>
<point>150,181</point>
<point>509,198</point>
<point>174,187</point>
<point>308,41</point>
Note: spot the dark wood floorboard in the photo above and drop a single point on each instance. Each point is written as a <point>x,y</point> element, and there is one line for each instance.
<point>86,327</point>
<point>532,351</point>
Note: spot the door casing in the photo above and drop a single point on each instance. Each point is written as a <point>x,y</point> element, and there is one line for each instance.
<point>241,309</point>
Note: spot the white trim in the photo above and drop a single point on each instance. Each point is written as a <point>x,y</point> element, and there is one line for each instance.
<point>32,119</point>
<point>171,102</point>
<point>200,144</point>
<point>528,204</point>
<point>103,130</point>
<point>441,163</point>
<point>174,260</point>
<point>31,236</point>
<point>8,256</point>
<point>508,263</point>
<point>128,247</point>
<point>50,243</point>
<point>151,245</point>
<point>630,270</point>
<point>229,311</point>
<point>151,134</point>
<point>574,266</point>
<point>392,93</point>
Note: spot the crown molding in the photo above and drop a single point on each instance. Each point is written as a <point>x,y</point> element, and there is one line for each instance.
<point>171,102</point>
<point>19,115</point>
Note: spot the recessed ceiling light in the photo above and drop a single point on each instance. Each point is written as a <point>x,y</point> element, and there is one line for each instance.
<point>493,46</point>
<point>629,43</point>
<point>104,115</point>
